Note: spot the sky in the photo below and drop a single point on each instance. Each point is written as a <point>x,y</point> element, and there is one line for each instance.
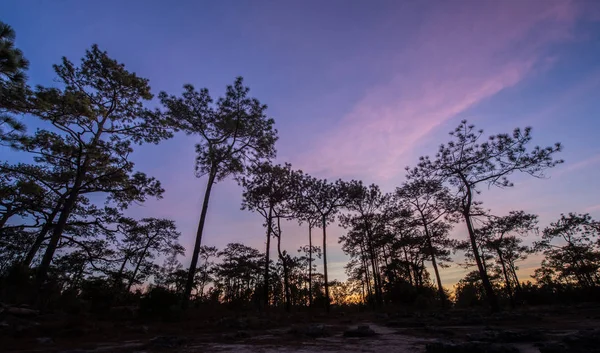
<point>358,90</point>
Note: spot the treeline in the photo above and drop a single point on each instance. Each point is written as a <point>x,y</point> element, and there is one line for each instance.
<point>65,234</point>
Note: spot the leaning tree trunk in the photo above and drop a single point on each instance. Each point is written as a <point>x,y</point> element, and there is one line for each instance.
<point>505,273</point>
<point>35,247</point>
<point>192,272</point>
<point>514,273</point>
<point>5,218</point>
<point>137,266</point>
<point>487,285</point>
<point>68,206</point>
<point>324,221</point>
<point>434,264</point>
<point>39,240</point>
<point>42,271</point>
<point>466,212</point>
<point>119,275</point>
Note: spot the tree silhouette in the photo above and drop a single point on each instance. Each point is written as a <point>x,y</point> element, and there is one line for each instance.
<point>143,241</point>
<point>467,163</point>
<point>234,132</point>
<point>97,116</point>
<point>269,190</point>
<point>12,83</point>
<point>499,235</point>
<point>578,260</point>
<point>370,212</point>
<point>431,204</point>
<point>325,199</point>
<point>12,62</point>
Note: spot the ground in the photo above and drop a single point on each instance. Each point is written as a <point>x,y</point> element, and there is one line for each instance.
<point>542,329</point>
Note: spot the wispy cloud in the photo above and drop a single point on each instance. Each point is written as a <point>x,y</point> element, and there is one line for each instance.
<point>461,56</point>
<point>585,163</point>
<point>593,208</point>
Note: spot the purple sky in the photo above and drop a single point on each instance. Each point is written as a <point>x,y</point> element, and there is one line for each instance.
<point>358,89</point>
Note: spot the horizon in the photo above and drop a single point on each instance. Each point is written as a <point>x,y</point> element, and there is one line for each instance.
<point>351,103</point>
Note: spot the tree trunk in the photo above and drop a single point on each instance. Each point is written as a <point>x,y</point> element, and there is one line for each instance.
<point>267,259</point>
<point>35,247</point>
<point>286,280</point>
<point>119,275</point>
<point>42,271</point>
<point>324,221</point>
<point>42,236</point>
<point>408,268</point>
<point>5,218</point>
<point>365,264</point>
<point>434,264</point>
<point>310,265</point>
<point>487,285</point>
<point>137,266</point>
<point>514,273</point>
<point>466,212</point>
<point>375,268</point>
<point>507,281</point>
<point>192,272</point>
<point>68,206</point>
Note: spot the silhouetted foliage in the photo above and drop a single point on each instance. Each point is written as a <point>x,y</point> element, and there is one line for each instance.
<point>68,243</point>
<point>466,163</point>
<point>234,132</point>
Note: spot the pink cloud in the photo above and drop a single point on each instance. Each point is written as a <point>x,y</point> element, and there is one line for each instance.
<point>461,56</point>
<point>579,165</point>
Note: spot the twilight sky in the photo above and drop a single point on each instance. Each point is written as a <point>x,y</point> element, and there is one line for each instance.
<point>358,89</point>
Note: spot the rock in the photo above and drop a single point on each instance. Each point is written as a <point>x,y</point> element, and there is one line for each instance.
<point>166,342</point>
<point>382,316</point>
<point>137,329</point>
<point>552,347</point>
<point>238,335</point>
<point>360,331</point>
<point>579,342</point>
<point>438,331</point>
<point>313,331</point>
<point>405,324</point>
<point>500,336</point>
<point>123,312</point>
<point>23,312</point>
<point>469,347</point>
<point>233,323</point>
<point>316,331</point>
<point>44,340</point>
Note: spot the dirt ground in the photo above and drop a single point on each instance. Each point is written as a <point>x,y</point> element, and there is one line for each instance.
<point>545,330</point>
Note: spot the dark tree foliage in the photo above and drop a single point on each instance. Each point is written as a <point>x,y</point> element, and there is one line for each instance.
<point>469,162</point>
<point>575,257</point>
<point>324,199</point>
<point>13,89</point>
<point>271,190</point>
<point>68,243</point>
<point>234,132</point>
<point>432,208</point>
<point>501,237</point>
<point>369,212</point>
<point>96,115</point>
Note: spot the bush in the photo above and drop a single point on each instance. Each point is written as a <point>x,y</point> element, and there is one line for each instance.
<point>160,303</point>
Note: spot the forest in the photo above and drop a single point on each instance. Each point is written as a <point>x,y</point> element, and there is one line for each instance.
<point>67,243</point>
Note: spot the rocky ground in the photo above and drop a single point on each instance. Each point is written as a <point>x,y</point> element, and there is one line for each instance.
<point>544,330</point>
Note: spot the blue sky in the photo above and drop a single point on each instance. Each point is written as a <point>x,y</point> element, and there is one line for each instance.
<point>358,89</point>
